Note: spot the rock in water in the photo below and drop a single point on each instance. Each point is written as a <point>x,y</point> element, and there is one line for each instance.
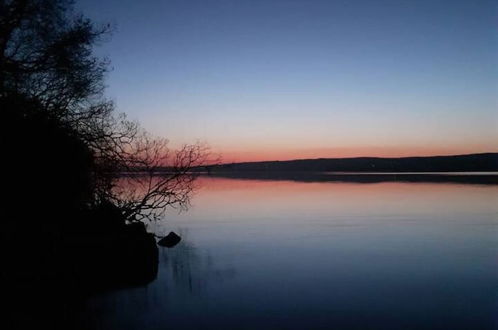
<point>170,240</point>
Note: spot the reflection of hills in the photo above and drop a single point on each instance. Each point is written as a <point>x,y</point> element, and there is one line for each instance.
<point>191,269</point>
<point>484,178</point>
<point>370,169</point>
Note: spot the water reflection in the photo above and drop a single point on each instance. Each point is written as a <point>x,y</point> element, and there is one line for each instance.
<point>263,254</point>
<point>186,275</point>
<point>190,270</point>
<point>487,178</point>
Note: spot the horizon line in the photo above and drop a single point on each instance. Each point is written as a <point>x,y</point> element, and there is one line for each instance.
<point>357,157</point>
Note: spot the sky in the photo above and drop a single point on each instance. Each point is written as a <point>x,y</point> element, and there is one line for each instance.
<point>289,79</point>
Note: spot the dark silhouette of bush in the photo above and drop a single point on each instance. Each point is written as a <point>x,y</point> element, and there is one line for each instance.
<point>58,246</point>
<point>46,160</point>
<point>66,232</point>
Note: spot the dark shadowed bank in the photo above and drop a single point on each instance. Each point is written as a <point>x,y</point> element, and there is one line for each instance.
<point>57,249</point>
<point>66,234</point>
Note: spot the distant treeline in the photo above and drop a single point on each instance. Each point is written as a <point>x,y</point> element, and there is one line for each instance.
<point>458,163</point>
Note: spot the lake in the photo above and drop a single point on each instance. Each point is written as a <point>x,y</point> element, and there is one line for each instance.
<point>282,254</point>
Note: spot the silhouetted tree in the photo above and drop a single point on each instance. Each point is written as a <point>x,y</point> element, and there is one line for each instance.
<point>64,153</point>
<point>46,53</point>
<point>46,57</point>
<point>156,178</point>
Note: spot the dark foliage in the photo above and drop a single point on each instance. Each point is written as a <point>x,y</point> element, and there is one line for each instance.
<point>46,58</point>
<point>74,223</point>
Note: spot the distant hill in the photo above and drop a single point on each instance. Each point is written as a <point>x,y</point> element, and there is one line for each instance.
<point>457,163</point>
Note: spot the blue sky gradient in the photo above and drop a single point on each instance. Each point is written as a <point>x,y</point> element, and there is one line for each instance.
<point>293,79</point>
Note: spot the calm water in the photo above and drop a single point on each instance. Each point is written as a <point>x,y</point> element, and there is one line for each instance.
<point>290,255</point>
